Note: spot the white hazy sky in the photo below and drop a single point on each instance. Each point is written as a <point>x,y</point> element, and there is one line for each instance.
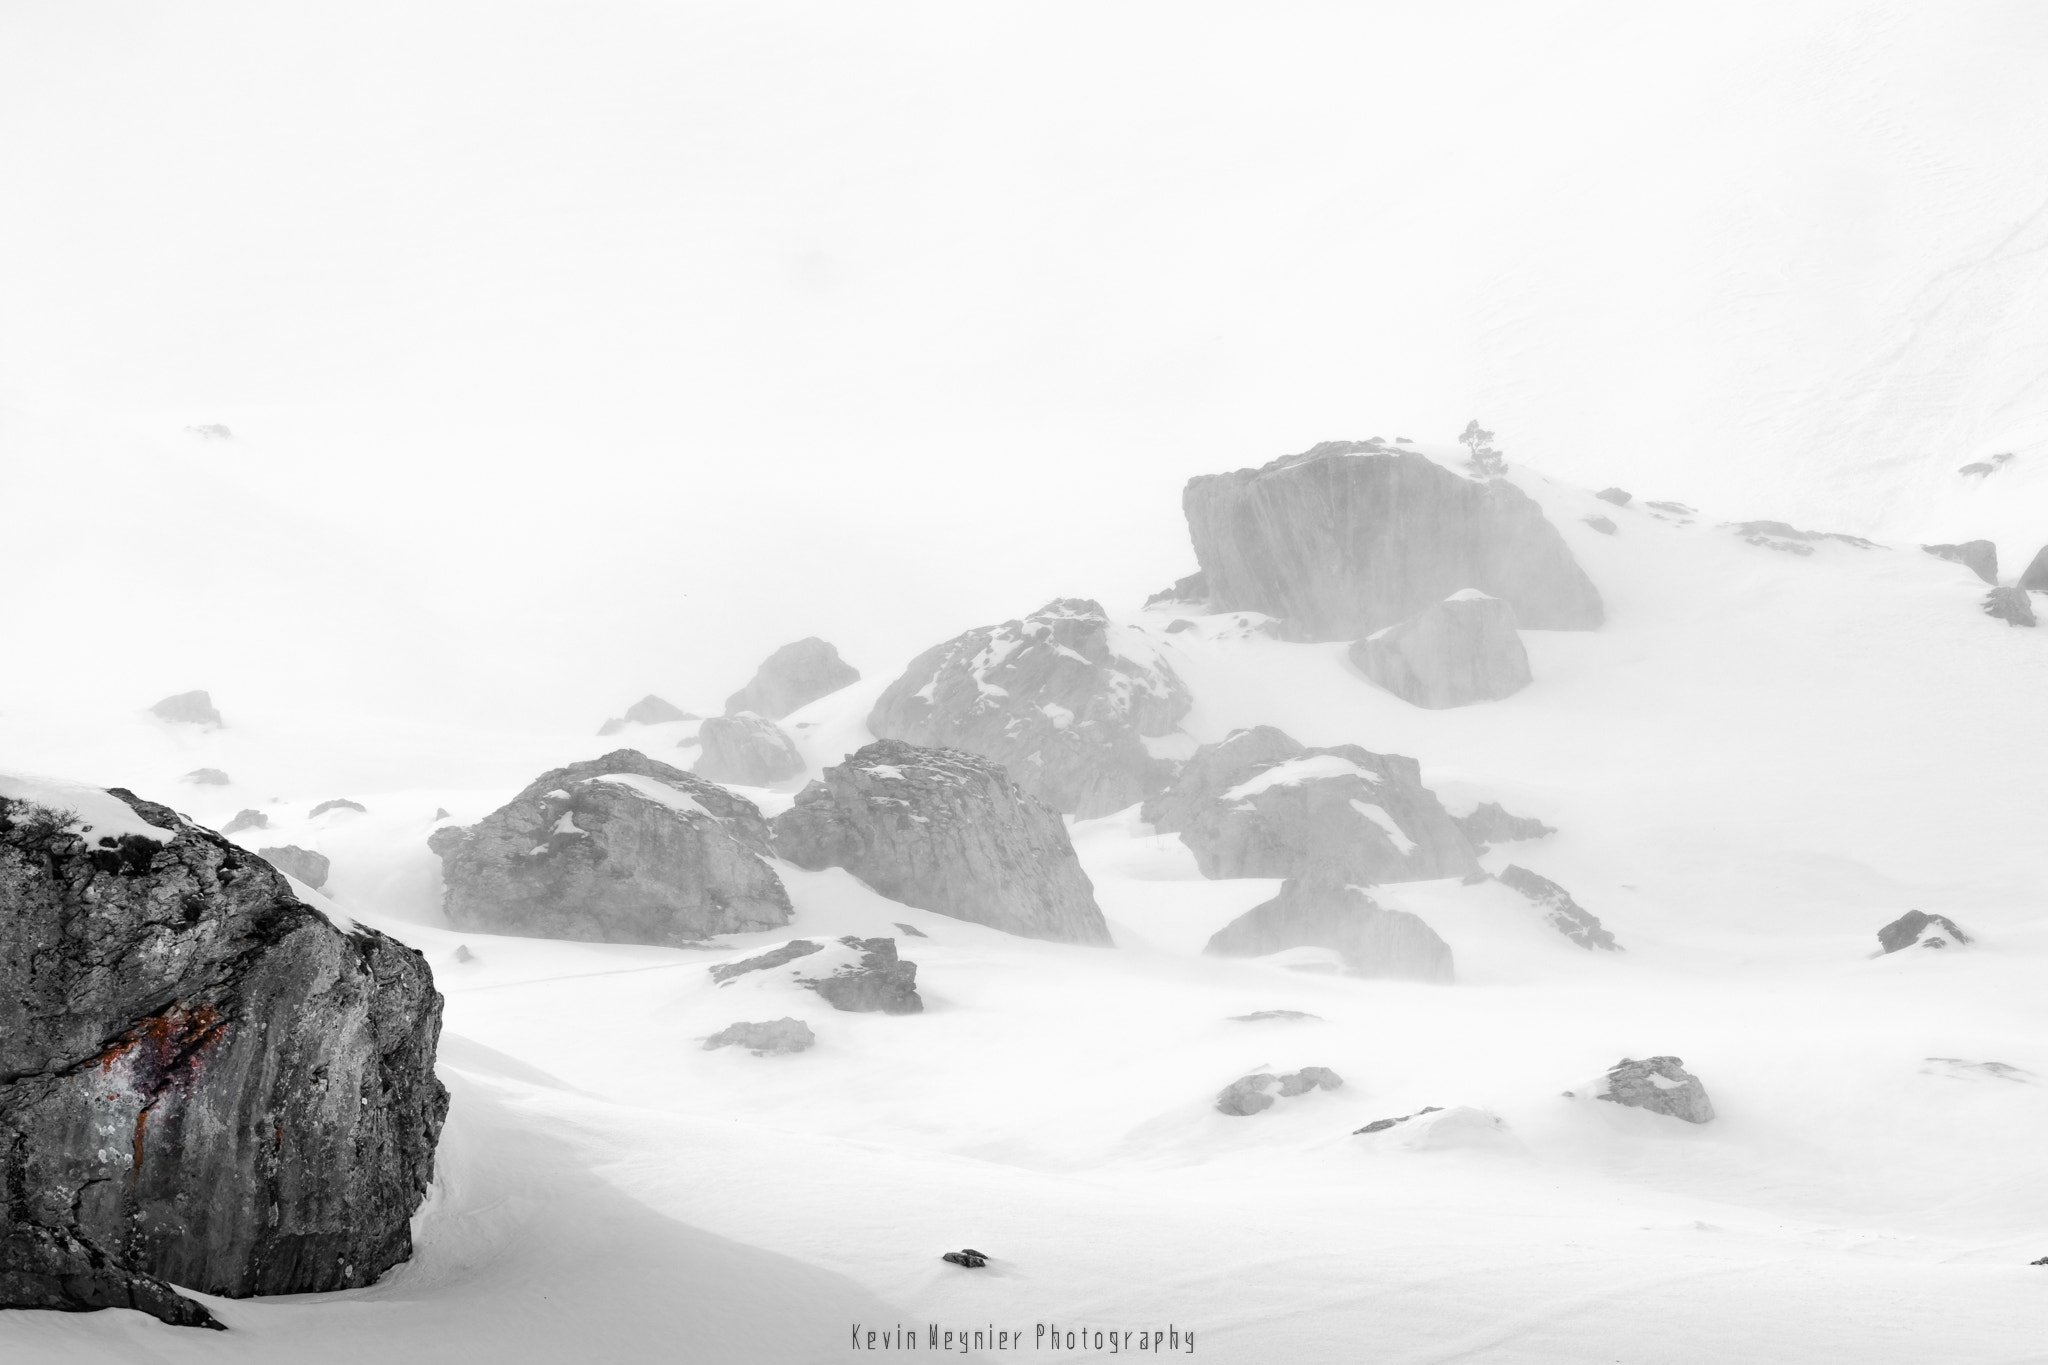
<point>581,349</point>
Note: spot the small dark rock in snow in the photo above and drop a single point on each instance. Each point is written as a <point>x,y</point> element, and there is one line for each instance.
<point>1660,1085</point>
<point>1247,1095</point>
<point>188,708</point>
<point>1981,467</point>
<point>878,982</point>
<point>649,710</point>
<point>1456,652</point>
<point>1601,524</point>
<point>1490,823</point>
<point>1566,915</point>
<point>778,1036</point>
<point>1675,508</point>
<point>1980,557</point>
<point>912,930</point>
<point>339,803</point>
<point>303,863</point>
<point>746,750</point>
<point>2035,579</point>
<point>2042,1261</point>
<point>1778,535</point>
<point>248,819</point>
<point>1310,1078</point>
<point>967,1257</point>
<point>1381,1125</point>
<point>1259,1016</point>
<point>463,954</point>
<point>440,812</point>
<point>212,431</point>
<point>206,777</point>
<point>774,957</point>
<point>793,676</point>
<point>1620,497</point>
<point>1919,927</point>
<point>2010,605</point>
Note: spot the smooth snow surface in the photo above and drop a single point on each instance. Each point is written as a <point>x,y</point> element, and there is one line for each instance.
<point>92,810</point>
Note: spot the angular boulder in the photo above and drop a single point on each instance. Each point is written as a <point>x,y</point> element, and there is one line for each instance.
<point>1980,557</point>
<point>1248,1095</point>
<point>860,975</point>
<point>774,1037</point>
<point>246,819</point>
<point>1457,652</point>
<point>203,1081</point>
<point>1918,929</point>
<point>1351,536</point>
<point>619,849</point>
<point>1620,497</point>
<point>1490,823</point>
<point>188,708</point>
<point>1193,589</point>
<point>649,710</point>
<point>1260,804</point>
<point>303,863</point>
<point>2035,579</point>
<point>1070,702</point>
<point>338,803</point>
<point>1658,1084</point>
<point>2009,604</point>
<point>746,750</point>
<point>949,832</point>
<point>1320,912</point>
<point>1563,914</point>
<point>793,676</point>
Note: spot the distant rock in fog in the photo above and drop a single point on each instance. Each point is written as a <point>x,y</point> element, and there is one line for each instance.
<point>188,708</point>
<point>206,777</point>
<point>2035,579</point>
<point>1658,1084</point>
<point>1071,703</point>
<point>1261,805</point>
<point>1564,914</point>
<point>1434,1128</point>
<point>212,431</point>
<point>1263,1016</point>
<point>1194,590</point>
<point>1980,557</point>
<point>793,676</point>
<point>1457,652</point>
<point>2009,604</point>
<point>1604,525</point>
<point>1916,928</point>
<point>1777,535</point>
<point>1353,536</point>
<point>246,819</point>
<point>775,1037</point>
<point>619,849</point>
<point>1324,912</point>
<point>649,710</point>
<point>203,1082</point>
<point>949,832</point>
<point>1620,497</point>
<point>339,803</point>
<point>860,975</point>
<point>746,750</point>
<point>1249,1095</point>
<point>1490,823</point>
<point>303,863</point>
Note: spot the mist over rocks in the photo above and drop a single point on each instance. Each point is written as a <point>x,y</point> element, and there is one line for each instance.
<point>246,819</point>
<point>303,863</point>
<point>945,831</point>
<point>1490,823</point>
<point>188,708</point>
<point>1260,804</point>
<point>1918,929</point>
<point>649,710</point>
<point>1980,557</point>
<point>774,1037</point>
<point>1066,699</point>
<point>206,777</point>
<point>1563,914</point>
<point>1457,652</point>
<point>793,676</point>
<point>746,750</point>
<point>1349,537</point>
<point>618,849</point>
<point>2009,603</point>
<point>203,1081</point>
<point>1659,1084</point>
<point>1325,912</point>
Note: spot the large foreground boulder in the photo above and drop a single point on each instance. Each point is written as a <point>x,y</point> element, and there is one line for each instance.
<point>793,676</point>
<point>1352,536</point>
<point>620,849</point>
<point>949,832</point>
<point>746,750</point>
<point>1260,804</point>
<point>1327,913</point>
<point>1456,652</point>
<point>1065,699</point>
<point>1980,557</point>
<point>203,1081</point>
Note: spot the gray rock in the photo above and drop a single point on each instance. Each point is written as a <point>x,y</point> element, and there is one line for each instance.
<point>1247,1095</point>
<point>1350,537</point>
<point>1063,698</point>
<point>246,819</point>
<point>649,710</point>
<point>1381,1125</point>
<point>1619,497</point>
<point>774,1037</point>
<point>948,832</point>
<point>1456,652</point>
<point>1676,509</point>
<point>1660,1085</point>
<point>188,708</point>
<point>339,803</point>
<point>969,1258</point>
<point>793,676</point>
<point>1326,913</point>
<point>1959,1068</point>
<point>463,954</point>
<point>1777,535</point>
<point>206,777</point>
<point>1194,589</point>
<point>879,981</point>
<point>1490,823</point>
<point>910,930</point>
<point>203,1082</point>
<point>746,750</point>
<point>2010,605</point>
<point>1917,928</point>
<point>1564,914</point>
<point>1261,805</point>
<point>2035,579</point>
<point>303,863</point>
<point>619,849</point>
<point>1604,525</point>
<point>774,957</point>
<point>1990,466</point>
<point>1980,557</point>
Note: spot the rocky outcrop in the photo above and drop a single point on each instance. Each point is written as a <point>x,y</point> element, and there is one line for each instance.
<point>1325,913</point>
<point>1980,557</point>
<point>746,750</point>
<point>203,1082</point>
<point>861,975</point>
<point>619,849</point>
<point>775,1037</point>
<point>1194,590</point>
<point>246,819</point>
<point>1247,1095</point>
<point>1620,497</point>
<point>303,863</point>
<point>1065,699</point>
<point>1490,823</point>
<point>338,803</point>
<point>949,832</point>
<point>1778,535</point>
<point>2035,579</point>
<point>206,777</point>
<point>1456,652</point>
<point>793,676</point>
<point>1351,536</point>
<point>1918,929</point>
<point>1604,525</point>
<point>1563,914</point>
<point>1658,1084</point>
<point>1381,1125</point>
<point>2009,604</point>
<point>188,708</point>
<point>1261,805</point>
<point>649,710</point>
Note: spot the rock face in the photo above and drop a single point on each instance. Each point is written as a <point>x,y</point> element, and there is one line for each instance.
<point>1917,928</point>
<point>1193,589</point>
<point>1351,536</point>
<point>2035,579</point>
<point>948,832</point>
<point>188,708</point>
<point>774,1037</point>
<point>1980,557</point>
<point>1247,1095</point>
<point>202,1081</point>
<point>1490,823</point>
<point>2010,605</point>
<point>746,750</point>
<point>303,863</point>
<point>1321,913</point>
<point>649,710</point>
<point>1564,914</point>
<point>1459,651</point>
<point>793,676</point>
<point>861,975</point>
<point>1261,805</point>
<point>1660,1085</point>
<point>620,849</point>
<point>1064,698</point>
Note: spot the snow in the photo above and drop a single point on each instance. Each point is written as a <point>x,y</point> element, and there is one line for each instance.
<point>1310,768</point>
<point>654,789</point>
<point>93,811</point>
<point>1379,816</point>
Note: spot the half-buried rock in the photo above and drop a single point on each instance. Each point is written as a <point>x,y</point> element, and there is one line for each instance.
<point>1253,1094</point>
<point>860,975</point>
<point>1325,912</point>
<point>203,1082</point>
<point>774,1037</point>
<point>1918,929</point>
<point>1658,1084</point>
<point>746,750</point>
<point>649,710</point>
<point>793,676</point>
<point>1458,652</point>
<point>948,832</point>
<point>1560,911</point>
<point>621,849</point>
